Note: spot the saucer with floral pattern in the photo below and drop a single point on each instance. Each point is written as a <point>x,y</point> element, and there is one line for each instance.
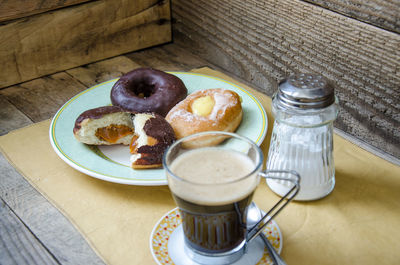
<point>166,243</point>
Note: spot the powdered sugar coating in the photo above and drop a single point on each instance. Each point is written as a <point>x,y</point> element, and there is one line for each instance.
<point>223,98</point>
<point>226,111</point>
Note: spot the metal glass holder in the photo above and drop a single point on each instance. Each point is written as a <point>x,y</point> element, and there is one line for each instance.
<point>283,202</point>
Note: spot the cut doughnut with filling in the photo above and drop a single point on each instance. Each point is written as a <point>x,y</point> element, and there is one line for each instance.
<point>104,126</point>
<point>152,136</point>
<point>147,134</point>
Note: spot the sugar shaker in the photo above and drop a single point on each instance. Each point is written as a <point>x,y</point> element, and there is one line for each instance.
<point>304,108</point>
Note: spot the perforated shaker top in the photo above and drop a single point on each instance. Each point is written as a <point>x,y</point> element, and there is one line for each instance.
<point>306,91</point>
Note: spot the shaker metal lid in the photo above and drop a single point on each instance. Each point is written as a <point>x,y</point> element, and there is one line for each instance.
<point>306,91</point>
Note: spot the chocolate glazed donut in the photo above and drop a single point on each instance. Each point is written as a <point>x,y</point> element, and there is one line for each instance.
<point>148,90</point>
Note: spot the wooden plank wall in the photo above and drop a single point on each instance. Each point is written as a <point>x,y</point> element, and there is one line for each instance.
<point>53,41</point>
<point>354,43</point>
<point>381,13</point>
<point>13,9</point>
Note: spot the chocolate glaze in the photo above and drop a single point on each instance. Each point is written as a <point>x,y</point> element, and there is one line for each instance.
<point>156,127</point>
<point>161,91</point>
<point>148,159</point>
<point>95,113</point>
<point>161,130</point>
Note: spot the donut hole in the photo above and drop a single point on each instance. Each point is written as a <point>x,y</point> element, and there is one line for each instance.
<point>144,90</point>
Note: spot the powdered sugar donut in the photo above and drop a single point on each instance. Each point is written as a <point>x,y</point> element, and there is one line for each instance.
<point>206,110</point>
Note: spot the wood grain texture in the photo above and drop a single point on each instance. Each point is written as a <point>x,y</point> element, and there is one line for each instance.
<point>72,36</point>
<point>381,13</point>
<point>17,244</point>
<point>169,57</point>
<point>40,99</point>
<point>95,73</point>
<point>12,9</point>
<point>46,223</point>
<point>10,117</point>
<point>264,41</point>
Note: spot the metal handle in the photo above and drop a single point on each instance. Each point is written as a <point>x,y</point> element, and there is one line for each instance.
<point>254,232</point>
<point>276,258</point>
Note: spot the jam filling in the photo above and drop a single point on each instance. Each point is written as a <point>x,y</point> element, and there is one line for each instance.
<point>112,133</point>
<point>133,147</point>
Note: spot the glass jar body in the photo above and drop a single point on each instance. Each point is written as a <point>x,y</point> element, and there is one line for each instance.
<point>302,140</point>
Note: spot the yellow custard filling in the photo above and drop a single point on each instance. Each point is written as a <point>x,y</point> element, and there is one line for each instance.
<point>203,106</point>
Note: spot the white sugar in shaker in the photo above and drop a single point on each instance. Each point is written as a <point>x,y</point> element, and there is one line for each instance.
<point>304,108</point>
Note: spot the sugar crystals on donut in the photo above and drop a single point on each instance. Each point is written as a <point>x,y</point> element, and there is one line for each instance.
<point>206,110</point>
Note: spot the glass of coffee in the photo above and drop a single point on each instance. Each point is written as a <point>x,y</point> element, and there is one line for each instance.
<point>213,185</point>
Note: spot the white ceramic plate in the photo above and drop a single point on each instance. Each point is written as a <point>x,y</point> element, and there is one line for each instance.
<point>166,243</point>
<point>111,163</point>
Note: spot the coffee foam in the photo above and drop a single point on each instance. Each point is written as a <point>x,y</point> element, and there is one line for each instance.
<point>214,176</point>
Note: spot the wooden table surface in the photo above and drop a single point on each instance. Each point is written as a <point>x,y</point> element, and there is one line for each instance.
<point>32,230</point>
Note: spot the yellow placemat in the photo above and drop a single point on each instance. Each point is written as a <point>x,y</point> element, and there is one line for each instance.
<point>359,223</point>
